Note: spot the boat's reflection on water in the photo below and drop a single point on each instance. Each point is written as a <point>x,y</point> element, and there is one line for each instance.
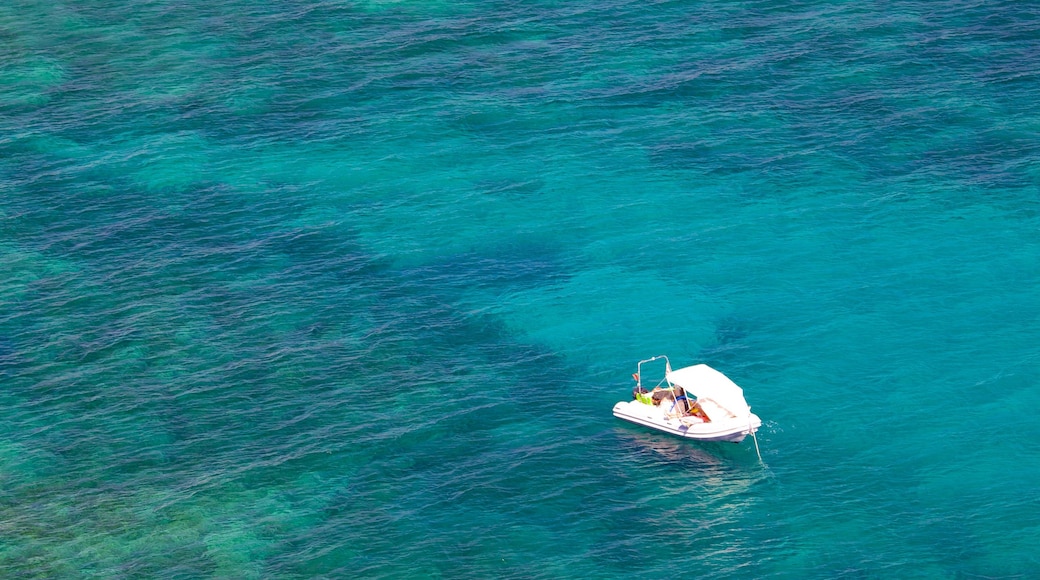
<point>668,448</point>
<point>717,455</point>
<point>692,487</point>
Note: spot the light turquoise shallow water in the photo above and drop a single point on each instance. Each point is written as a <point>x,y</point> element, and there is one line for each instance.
<point>348,289</point>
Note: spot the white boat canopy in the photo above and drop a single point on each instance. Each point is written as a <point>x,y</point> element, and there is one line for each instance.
<point>712,389</point>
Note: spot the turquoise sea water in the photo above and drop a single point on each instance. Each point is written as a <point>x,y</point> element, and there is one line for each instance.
<point>348,289</point>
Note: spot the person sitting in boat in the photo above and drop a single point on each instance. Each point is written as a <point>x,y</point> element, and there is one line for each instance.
<point>696,411</point>
<point>642,395</point>
<point>683,407</point>
<point>673,406</point>
<point>660,395</point>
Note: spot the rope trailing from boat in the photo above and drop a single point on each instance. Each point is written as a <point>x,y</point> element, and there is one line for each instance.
<point>755,437</point>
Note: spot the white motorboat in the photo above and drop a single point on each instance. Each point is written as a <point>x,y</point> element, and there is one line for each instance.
<point>697,402</point>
